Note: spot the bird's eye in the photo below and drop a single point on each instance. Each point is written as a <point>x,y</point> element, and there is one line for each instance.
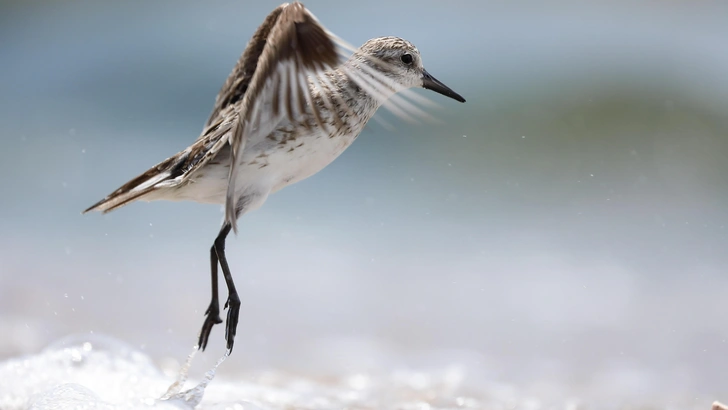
<point>406,58</point>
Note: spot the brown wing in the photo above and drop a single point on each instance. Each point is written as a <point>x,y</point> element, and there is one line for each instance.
<point>237,82</point>
<point>297,46</point>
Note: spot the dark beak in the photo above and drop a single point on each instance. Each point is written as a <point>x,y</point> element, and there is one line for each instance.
<point>431,83</point>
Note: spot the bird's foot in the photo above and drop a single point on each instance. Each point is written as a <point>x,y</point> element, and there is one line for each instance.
<point>212,318</point>
<point>233,305</point>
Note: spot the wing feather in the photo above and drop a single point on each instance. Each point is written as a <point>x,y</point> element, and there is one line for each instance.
<point>238,81</point>
<point>296,42</point>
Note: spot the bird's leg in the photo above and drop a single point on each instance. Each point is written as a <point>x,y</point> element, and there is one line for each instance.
<point>213,311</point>
<point>233,301</point>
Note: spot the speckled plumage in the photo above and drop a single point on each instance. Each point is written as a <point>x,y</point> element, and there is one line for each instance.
<point>289,108</point>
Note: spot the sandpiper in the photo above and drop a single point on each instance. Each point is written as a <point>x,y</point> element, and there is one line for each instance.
<point>292,104</point>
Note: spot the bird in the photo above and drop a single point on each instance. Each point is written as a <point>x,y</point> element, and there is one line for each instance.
<point>297,98</point>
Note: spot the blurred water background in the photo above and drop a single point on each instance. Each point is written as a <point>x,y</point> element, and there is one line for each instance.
<point>564,231</point>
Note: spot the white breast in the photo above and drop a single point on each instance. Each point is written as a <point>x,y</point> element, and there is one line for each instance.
<point>267,165</point>
<point>303,157</point>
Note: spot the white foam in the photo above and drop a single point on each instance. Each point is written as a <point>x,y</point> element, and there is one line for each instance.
<point>98,372</point>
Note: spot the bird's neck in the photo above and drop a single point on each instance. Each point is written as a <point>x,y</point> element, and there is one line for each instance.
<point>357,90</point>
<point>348,97</point>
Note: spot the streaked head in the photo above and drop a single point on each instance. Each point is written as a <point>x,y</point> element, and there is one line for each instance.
<point>400,61</point>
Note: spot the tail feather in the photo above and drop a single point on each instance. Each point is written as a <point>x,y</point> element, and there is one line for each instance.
<point>154,178</point>
<point>173,171</point>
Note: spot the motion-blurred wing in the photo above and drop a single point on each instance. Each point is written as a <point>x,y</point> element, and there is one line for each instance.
<point>297,46</point>
<point>239,79</point>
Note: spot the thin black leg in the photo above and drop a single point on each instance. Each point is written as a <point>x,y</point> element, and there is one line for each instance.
<point>213,311</point>
<point>233,301</point>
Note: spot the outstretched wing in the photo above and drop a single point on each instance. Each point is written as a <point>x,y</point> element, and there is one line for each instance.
<point>237,82</point>
<point>296,48</point>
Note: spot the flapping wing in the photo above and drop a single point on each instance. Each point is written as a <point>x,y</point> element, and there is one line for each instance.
<point>297,46</point>
<point>237,82</point>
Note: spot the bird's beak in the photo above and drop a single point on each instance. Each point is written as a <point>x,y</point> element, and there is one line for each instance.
<point>431,83</point>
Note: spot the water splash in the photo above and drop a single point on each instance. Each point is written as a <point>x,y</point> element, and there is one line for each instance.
<point>192,397</point>
<point>175,387</point>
